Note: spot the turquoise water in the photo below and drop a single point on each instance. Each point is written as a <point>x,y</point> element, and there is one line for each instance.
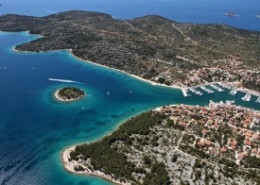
<point>34,128</point>
<point>196,11</point>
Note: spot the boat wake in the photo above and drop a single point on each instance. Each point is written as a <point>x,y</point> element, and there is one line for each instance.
<point>63,80</point>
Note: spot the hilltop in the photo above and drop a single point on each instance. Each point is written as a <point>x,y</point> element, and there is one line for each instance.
<point>151,47</point>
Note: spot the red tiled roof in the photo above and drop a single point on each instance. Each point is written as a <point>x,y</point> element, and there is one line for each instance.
<point>223,149</point>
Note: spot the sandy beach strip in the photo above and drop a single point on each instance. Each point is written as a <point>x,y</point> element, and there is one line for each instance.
<point>59,98</point>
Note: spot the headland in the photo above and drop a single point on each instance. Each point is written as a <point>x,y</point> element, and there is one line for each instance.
<point>180,144</point>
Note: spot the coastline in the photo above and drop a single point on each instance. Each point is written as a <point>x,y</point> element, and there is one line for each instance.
<point>182,89</point>
<point>69,166</point>
<point>132,75</point>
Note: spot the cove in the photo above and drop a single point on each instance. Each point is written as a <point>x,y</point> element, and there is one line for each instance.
<point>34,128</point>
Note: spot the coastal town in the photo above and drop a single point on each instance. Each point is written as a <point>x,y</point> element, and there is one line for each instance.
<point>217,144</point>
<point>220,129</point>
<point>141,93</point>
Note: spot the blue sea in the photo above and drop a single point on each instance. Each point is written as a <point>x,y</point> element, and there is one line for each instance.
<point>34,128</point>
<point>195,11</point>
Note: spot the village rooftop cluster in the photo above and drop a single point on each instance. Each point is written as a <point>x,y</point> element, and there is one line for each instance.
<point>220,129</point>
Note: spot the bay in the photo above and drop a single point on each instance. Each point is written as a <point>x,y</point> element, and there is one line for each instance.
<point>34,128</point>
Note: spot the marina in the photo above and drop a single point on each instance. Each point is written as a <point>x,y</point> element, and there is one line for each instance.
<point>35,129</point>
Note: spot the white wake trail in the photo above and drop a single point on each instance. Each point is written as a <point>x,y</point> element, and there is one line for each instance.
<point>63,80</point>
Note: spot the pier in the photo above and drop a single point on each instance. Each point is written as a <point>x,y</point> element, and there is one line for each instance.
<point>206,89</point>
<point>195,91</point>
<point>184,92</point>
<point>216,88</point>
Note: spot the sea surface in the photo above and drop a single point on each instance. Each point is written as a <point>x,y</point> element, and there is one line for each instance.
<point>34,128</point>
<point>195,11</point>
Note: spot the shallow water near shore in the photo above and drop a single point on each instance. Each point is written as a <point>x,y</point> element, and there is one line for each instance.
<point>34,128</point>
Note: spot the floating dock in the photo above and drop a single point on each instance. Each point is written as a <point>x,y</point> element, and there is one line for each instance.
<point>195,91</point>
<point>216,88</point>
<point>206,89</point>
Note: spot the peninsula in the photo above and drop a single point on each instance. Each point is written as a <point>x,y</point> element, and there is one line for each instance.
<point>218,144</point>
<point>68,94</point>
<point>151,47</point>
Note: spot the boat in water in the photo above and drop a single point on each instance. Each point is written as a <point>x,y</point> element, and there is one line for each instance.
<point>233,92</point>
<point>231,14</point>
<point>216,88</point>
<point>247,97</point>
<point>258,100</point>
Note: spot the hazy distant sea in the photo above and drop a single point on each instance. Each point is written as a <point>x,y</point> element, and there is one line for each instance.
<point>34,128</point>
<point>196,11</point>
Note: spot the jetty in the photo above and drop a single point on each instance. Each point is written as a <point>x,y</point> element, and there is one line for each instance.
<point>224,85</point>
<point>184,92</point>
<point>206,89</point>
<point>216,88</point>
<point>247,97</point>
<point>233,92</point>
<point>195,91</point>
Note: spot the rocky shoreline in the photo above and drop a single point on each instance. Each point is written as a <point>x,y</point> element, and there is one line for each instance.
<point>70,167</point>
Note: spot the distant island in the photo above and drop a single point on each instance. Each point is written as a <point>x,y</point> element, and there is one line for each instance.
<point>151,47</point>
<point>218,144</point>
<point>231,14</point>
<point>68,94</point>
